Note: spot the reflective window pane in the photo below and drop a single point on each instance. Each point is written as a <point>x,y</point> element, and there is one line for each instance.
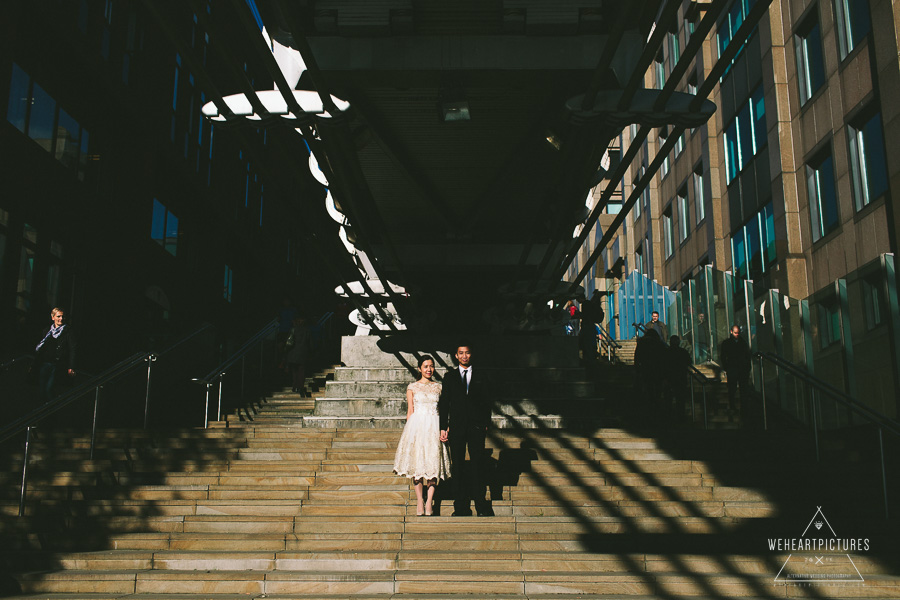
<point>42,117</point>
<point>19,98</point>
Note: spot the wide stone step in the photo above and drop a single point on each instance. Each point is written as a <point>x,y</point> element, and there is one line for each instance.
<point>403,375</point>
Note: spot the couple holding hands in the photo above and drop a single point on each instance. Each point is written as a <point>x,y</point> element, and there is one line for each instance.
<point>455,414</point>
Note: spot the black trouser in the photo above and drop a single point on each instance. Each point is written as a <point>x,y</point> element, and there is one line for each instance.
<point>468,482</point>
<point>735,380</point>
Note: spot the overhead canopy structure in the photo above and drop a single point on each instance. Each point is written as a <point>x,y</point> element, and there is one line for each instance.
<point>458,140</point>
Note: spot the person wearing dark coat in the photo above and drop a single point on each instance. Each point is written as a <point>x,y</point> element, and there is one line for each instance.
<point>298,346</point>
<point>734,354</point>
<point>649,358</point>
<point>464,410</point>
<point>678,364</point>
<point>55,354</point>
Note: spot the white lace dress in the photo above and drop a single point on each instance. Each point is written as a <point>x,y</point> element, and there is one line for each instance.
<point>420,453</point>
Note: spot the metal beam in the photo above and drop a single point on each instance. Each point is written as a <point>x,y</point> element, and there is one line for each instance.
<point>694,46</point>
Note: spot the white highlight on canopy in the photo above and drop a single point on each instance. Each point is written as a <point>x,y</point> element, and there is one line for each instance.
<point>292,66</point>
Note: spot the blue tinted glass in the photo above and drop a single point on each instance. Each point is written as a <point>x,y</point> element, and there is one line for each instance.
<point>860,22</point>
<point>67,141</point>
<point>732,158</point>
<point>43,113</point>
<point>158,225</point>
<point>768,220</point>
<point>827,195</point>
<point>17,109</point>
<point>745,135</point>
<point>738,256</point>
<point>815,62</point>
<point>876,171</point>
<point>758,108</point>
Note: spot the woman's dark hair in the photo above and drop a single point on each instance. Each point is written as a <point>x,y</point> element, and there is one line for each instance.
<point>422,360</point>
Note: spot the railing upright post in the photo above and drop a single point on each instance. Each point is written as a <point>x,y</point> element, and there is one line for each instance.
<point>206,411</point>
<point>94,426</point>
<point>883,474</point>
<point>243,369</point>
<point>815,421</point>
<point>25,472</point>
<point>219,411</point>
<point>762,388</point>
<point>705,413</point>
<point>150,360</point>
<point>693,413</point>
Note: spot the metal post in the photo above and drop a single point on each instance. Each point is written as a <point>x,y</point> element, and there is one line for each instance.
<point>150,360</point>
<point>762,388</point>
<point>219,411</point>
<point>693,413</point>
<point>243,359</point>
<point>96,411</point>
<point>206,411</point>
<point>883,473</point>
<point>705,412</point>
<point>815,421</point>
<point>25,471</point>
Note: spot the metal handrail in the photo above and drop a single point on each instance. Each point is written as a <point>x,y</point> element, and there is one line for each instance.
<point>217,374</point>
<point>29,421</point>
<point>696,375</point>
<point>11,363</point>
<point>837,395</point>
<point>611,344</point>
<point>820,387</point>
<point>605,333</point>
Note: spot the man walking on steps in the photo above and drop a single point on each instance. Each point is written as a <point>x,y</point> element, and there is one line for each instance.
<point>465,413</point>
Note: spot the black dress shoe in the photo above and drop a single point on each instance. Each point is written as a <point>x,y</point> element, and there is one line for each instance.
<point>461,514</point>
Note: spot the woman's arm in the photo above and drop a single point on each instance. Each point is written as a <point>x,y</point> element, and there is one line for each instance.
<point>410,404</point>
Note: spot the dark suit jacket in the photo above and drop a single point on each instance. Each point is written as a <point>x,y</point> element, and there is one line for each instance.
<point>60,351</point>
<point>459,410</point>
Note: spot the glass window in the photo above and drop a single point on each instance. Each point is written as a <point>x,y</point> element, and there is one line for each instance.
<point>829,324</point>
<point>29,233</point>
<point>83,154</point>
<point>171,233</point>
<point>639,259</point>
<point>822,196</point>
<point>758,112</point>
<point>745,137</point>
<point>637,205</point>
<point>739,255</point>
<point>661,140</point>
<point>67,142</point>
<point>228,286</point>
<point>660,69</point>
<point>767,230</point>
<point>867,164</point>
<point>699,194</point>
<point>668,232</point>
<point>853,23</point>
<point>683,214</point>
<point>872,298</point>
<point>810,63</point>
<point>42,117</point>
<point>732,155</point>
<point>19,98</point>
<point>26,279</point>
<point>164,228</point>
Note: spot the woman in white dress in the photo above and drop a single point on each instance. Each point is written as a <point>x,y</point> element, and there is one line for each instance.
<point>420,454</point>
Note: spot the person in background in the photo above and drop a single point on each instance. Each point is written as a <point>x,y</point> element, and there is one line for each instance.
<point>678,364</point>
<point>735,357</point>
<point>297,346</point>
<point>658,326</point>
<point>55,354</point>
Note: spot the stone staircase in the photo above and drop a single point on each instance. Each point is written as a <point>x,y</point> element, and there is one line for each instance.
<point>273,507</point>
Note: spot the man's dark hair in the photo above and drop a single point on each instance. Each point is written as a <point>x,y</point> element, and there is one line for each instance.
<point>465,343</point>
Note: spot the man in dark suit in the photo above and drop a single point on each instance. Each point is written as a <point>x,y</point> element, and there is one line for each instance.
<point>465,413</point>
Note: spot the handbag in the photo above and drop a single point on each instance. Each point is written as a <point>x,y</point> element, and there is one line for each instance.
<point>289,342</point>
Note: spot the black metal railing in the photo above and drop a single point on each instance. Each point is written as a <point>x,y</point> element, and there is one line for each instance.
<point>606,339</point>
<point>217,375</point>
<point>698,378</point>
<point>27,423</point>
<point>820,390</point>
